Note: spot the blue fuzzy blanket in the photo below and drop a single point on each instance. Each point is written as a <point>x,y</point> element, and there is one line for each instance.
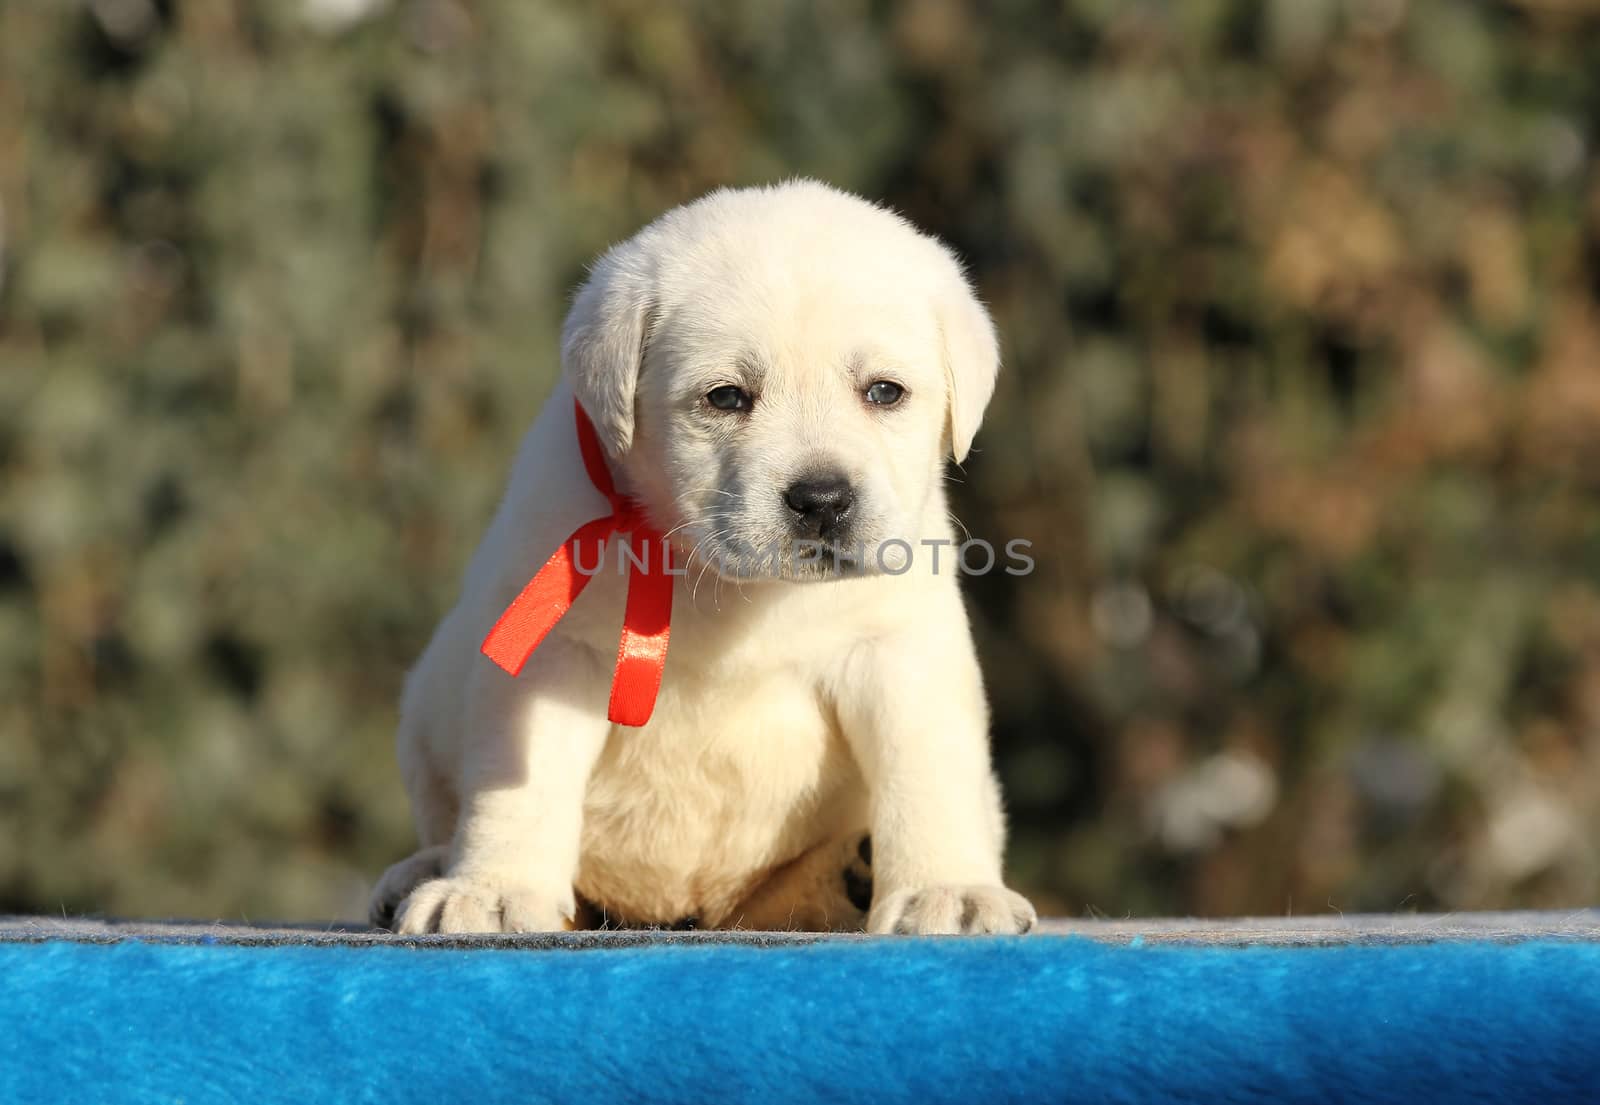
<point>1030,1019</point>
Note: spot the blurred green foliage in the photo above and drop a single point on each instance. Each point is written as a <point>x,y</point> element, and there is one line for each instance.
<point>1301,307</point>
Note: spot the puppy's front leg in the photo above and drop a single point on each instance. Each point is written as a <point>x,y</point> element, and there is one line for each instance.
<point>913,710</point>
<point>529,747</point>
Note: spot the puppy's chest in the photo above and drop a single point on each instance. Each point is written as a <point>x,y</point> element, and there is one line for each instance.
<point>683,817</point>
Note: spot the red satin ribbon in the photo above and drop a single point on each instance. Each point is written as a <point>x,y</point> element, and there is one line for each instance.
<point>647,620</point>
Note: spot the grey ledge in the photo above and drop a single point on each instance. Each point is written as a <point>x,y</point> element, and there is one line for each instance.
<point>1315,931</point>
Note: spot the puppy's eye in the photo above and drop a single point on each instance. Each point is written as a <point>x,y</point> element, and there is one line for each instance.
<point>885,394</point>
<point>729,398</point>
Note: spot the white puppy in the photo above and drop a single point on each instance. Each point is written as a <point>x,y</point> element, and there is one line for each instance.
<point>762,366</point>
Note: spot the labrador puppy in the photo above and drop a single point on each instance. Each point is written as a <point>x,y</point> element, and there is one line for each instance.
<point>765,368</point>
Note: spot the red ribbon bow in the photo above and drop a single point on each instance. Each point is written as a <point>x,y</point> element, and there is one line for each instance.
<point>647,620</point>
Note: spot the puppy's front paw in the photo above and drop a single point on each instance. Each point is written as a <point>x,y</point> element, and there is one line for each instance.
<point>952,909</point>
<point>400,880</point>
<point>464,904</point>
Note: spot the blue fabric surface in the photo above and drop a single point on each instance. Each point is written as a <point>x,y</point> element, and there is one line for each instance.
<point>1036,1019</point>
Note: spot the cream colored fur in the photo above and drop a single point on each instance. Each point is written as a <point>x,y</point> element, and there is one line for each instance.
<point>796,714</point>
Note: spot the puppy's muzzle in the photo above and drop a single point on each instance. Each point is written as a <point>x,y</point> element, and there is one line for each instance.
<point>821,506</point>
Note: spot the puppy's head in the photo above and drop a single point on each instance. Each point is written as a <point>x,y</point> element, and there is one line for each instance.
<point>778,375</point>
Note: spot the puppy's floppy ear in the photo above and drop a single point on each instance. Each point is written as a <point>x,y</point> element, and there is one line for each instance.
<point>971,358</point>
<point>603,340</point>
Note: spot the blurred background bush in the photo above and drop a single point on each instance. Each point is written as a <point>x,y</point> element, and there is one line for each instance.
<point>1301,308</point>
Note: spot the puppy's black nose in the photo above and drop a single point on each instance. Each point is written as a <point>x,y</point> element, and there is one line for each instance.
<point>820,504</point>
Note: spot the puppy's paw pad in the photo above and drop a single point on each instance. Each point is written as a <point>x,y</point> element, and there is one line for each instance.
<point>950,910</point>
<point>462,905</point>
<point>858,875</point>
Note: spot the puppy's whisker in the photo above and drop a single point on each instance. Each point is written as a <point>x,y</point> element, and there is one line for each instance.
<point>706,566</point>
<point>714,516</point>
<point>966,534</point>
<point>694,592</point>
<point>689,560</point>
<point>676,529</point>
